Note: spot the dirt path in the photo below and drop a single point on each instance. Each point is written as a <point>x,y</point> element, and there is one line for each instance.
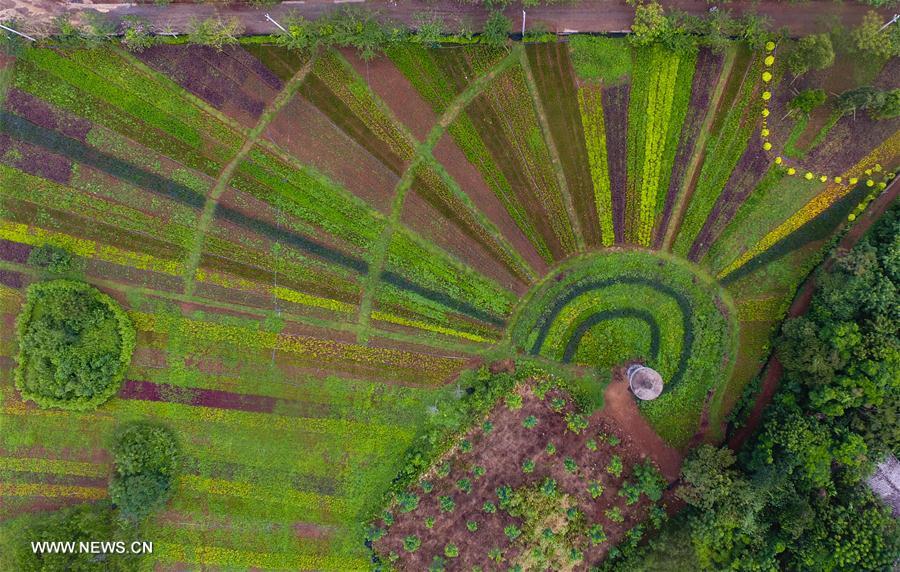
<point>774,369</point>
<point>584,16</point>
<point>620,408</point>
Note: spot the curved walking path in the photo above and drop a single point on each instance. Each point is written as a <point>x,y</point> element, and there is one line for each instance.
<point>583,16</point>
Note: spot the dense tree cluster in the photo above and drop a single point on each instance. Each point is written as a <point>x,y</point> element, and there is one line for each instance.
<point>795,499</point>
<point>74,345</point>
<point>81,523</point>
<point>880,104</point>
<point>679,31</point>
<point>146,458</point>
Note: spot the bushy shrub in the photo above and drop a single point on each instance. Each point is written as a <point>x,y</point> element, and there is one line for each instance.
<point>54,259</point>
<point>75,344</point>
<point>146,461</point>
<point>807,100</point>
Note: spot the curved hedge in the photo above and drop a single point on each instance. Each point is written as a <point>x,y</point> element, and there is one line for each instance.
<point>684,313</point>
<point>75,344</point>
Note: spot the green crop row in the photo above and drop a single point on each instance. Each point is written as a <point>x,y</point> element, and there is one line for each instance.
<point>310,196</point>
<point>419,66</point>
<point>41,84</point>
<point>684,303</point>
<point>424,264</point>
<point>337,75</point>
<point>591,108</point>
<point>723,151</point>
<point>659,102</point>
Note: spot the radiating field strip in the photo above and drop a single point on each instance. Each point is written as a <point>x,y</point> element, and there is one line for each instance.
<point>211,205</point>
<point>229,558</point>
<point>884,153</point>
<point>51,491</point>
<point>54,466</point>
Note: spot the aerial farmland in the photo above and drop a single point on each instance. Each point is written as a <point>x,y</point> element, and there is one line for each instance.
<point>449,300</point>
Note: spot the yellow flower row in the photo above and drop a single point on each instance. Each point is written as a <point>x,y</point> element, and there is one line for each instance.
<point>760,309</point>
<point>53,466</point>
<point>35,236</point>
<point>218,556</point>
<point>51,491</point>
<point>819,203</point>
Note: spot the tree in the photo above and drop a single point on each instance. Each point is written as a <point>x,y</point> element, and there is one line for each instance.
<point>146,460</point>
<point>889,107</point>
<point>54,259</point>
<point>74,345</point>
<point>81,523</point>
<point>215,32</point>
<point>650,24</point>
<point>496,30</point>
<point>814,52</point>
<point>136,36</point>
<point>870,38</point>
<point>807,100</point>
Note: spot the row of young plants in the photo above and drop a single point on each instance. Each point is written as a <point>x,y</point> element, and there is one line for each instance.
<point>723,150</point>
<point>546,523</point>
<point>590,105</point>
<point>657,109</point>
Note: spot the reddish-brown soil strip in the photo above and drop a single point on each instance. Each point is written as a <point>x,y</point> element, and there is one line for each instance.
<point>502,452</point>
<point>313,139</point>
<point>800,305</point>
<point>455,230</point>
<point>620,407</point>
<point>615,116</point>
<point>448,153</point>
<point>395,90</point>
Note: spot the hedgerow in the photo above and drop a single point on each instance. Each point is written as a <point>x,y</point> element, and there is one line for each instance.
<point>75,344</point>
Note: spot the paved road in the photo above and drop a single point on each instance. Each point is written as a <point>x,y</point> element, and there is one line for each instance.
<point>583,16</point>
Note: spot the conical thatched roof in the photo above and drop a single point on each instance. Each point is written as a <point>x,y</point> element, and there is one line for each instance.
<point>644,382</point>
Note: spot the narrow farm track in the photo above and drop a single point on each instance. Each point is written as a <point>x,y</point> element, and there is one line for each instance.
<point>221,184</point>
<point>423,151</point>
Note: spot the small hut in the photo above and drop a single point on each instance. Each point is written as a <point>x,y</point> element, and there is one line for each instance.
<point>644,382</point>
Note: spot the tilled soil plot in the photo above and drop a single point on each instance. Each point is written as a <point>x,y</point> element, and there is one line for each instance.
<point>500,449</point>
